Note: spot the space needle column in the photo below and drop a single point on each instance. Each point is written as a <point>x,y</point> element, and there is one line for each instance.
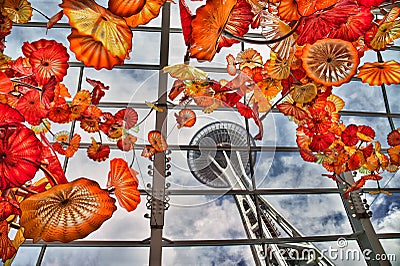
<point>158,185</point>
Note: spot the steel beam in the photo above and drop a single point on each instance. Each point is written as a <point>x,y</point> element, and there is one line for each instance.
<point>158,185</point>
<point>206,242</point>
<point>367,240</point>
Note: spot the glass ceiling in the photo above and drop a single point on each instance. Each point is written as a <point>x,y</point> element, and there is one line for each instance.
<point>203,225</point>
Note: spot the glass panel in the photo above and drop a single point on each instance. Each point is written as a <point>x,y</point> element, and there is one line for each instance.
<point>288,170</point>
<point>181,177</point>
<point>285,131</point>
<point>183,135</point>
<point>393,95</point>
<point>396,122</point>
<point>320,214</point>
<point>71,79</point>
<point>95,256</point>
<point>26,256</point>
<point>49,8</point>
<point>177,49</point>
<point>28,34</point>
<point>360,96</point>
<point>145,48</point>
<point>392,249</point>
<point>124,225</point>
<point>385,212</point>
<point>126,85</point>
<point>219,255</point>
<point>379,124</point>
<point>81,166</point>
<point>203,217</point>
<point>219,59</point>
<point>342,252</point>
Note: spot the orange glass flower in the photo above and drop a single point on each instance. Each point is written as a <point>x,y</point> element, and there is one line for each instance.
<point>278,68</point>
<point>81,98</point>
<point>393,138</point>
<point>148,151</point>
<point>290,109</point>
<point>185,72</point>
<point>91,19</point>
<point>73,145</point>
<point>150,10</point>
<point>123,180</point>
<point>337,101</point>
<point>51,60</point>
<point>185,118</point>
<point>7,249</point>
<point>387,33</point>
<point>31,108</point>
<point>92,52</point>
<point>304,93</point>
<point>19,11</point>
<point>60,114</point>
<point>127,117</point>
<point>61,136</point>
<point>66,212</point>
<point>377,73</point>
<point>302,140</point>
<point>330,62</point>
<point>126,8</point>
<point>308,156</point>
<point>355,161</point>
<point>211,20</point>
<point>90,124</point>
<point>394,154</point>
<point>287,10</point>
<point>249,58</point>
<point>270,87</point>
<point>97,151</point>
<point>157,140</point>
<point>126,142</point>
<point>20,158</point>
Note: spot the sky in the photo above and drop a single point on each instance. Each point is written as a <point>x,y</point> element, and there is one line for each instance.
<point>208,217</point>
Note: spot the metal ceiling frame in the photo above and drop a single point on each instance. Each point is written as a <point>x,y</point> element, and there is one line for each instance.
<point>156,242</point>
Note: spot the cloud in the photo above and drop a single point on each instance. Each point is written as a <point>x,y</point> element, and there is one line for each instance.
<point>390,223</point>
<point>350,93</point>
<point>215,220</point>
<point>205,256</point>
<point>95,256</point>
<point>290,171</point>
